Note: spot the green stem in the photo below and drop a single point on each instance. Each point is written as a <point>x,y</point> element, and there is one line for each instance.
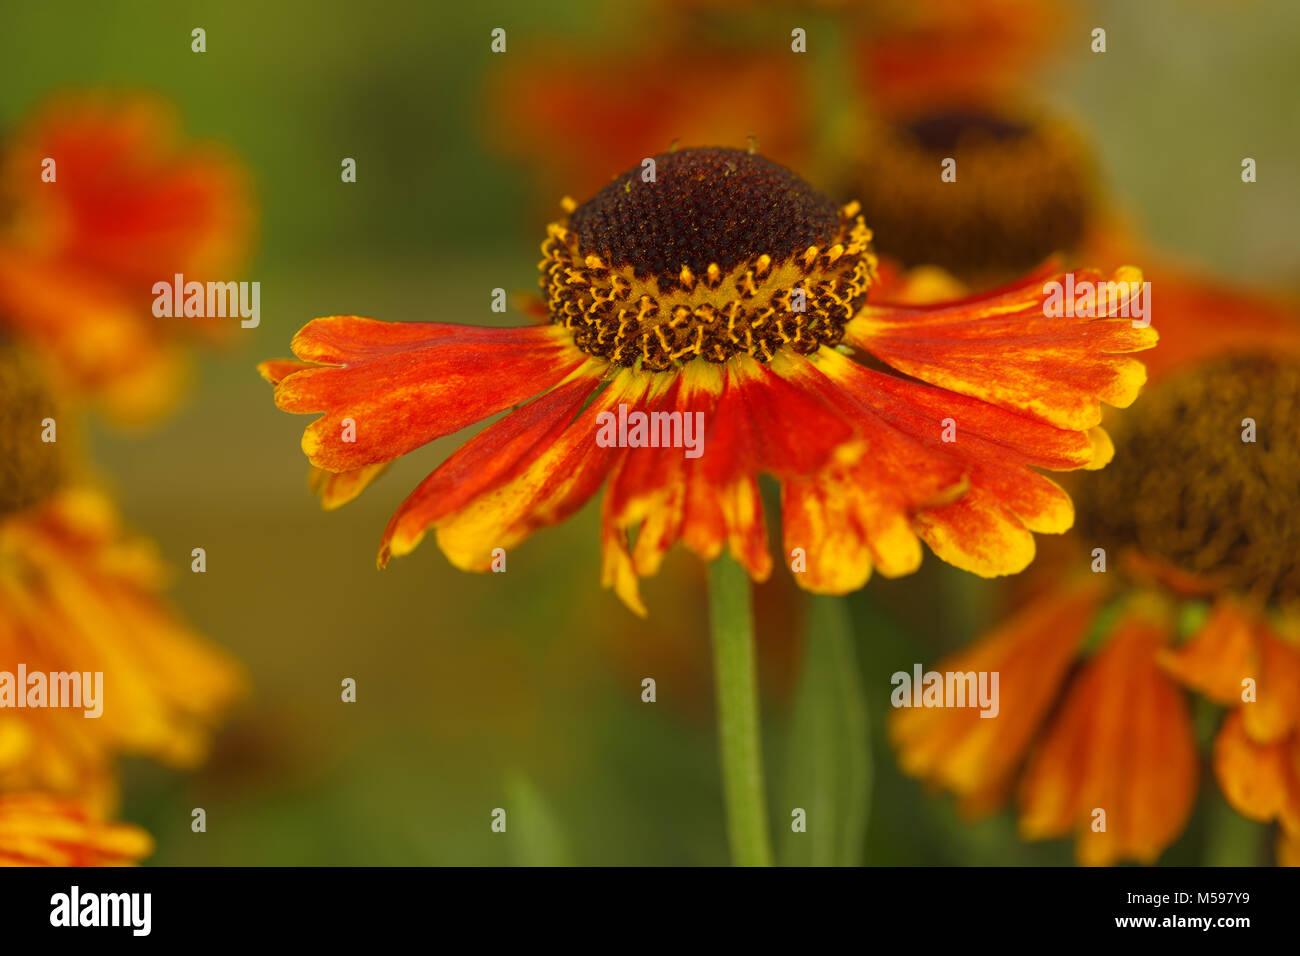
<point>731,621</point>
<point>1231,839</point>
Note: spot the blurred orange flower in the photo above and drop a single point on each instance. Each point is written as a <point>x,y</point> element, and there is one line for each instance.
<point>573,117</point>
<point>1239,660</point>
<point>100,199</point>
<point>77,593</point>
<point>40,830</point>
<point>912,54</point>
<point>1106,730</point>
<point>1190,512</point>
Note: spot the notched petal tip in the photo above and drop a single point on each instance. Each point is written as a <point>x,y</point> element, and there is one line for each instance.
<point>276,371</point>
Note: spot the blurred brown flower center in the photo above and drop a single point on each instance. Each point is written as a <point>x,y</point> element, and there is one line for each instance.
<point>30,466</point>
<point>1206,475</point>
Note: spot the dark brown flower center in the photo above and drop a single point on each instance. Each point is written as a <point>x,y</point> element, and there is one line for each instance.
<point>1022,191</point>
<point>947,130</point>
<point>30,467</point>
<point>723,252</point>
<point>704,207</point>
<point>1186,487</point>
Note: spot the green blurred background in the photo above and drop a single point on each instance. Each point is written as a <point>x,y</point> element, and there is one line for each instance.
<point>523,691</point>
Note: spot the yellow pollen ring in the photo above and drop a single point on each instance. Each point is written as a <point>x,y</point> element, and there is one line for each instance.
<point>758,308</point>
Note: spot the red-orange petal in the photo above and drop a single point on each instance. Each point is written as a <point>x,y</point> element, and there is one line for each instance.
<point>490,460</point>
<point>945,437</point>
<point>554,484</point>
<point>132,202</point>
<point>765,421</point>
<point>391,387</point>
<point>1003,349</point>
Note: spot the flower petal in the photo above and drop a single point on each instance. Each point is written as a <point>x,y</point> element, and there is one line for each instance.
<point>765,422</point>
<point>1003,349</point>
<point>976,757</point>
<point>1260,780</point>
<point>555,483</point>
<point>37,829</point>
<point>1122,743</point>
<point>132,203</point>
<point>335,489</point>
<point>488,462</point>
<point>402,384</point>
<point>988,528</point>
<point>1217,659</point>
<point>1276,709</point>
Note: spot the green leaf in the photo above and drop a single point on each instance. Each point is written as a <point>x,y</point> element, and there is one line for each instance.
<point>828,772</point>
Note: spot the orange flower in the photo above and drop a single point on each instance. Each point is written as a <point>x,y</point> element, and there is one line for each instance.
<point>1188,510</point>
<point>1122,743</point>
<point>728,292</point>
<point>101,201</point>
<point>40,830</point>
<point>78,594</point>
<point>1107,731</point>
<point>962,52</point>
<point>950,85</point>
<point>1239,660</point>
<point>576,116</point>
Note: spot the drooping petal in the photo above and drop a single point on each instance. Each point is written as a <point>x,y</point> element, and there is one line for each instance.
<point>1219,657</point>
<point>921,440</point>
<point>1275,712</point>
<point>568,470</point>
<point>647,477</point>
<point>742,510</point>
<point>1260,780</point>
<point>765,421</point>
<point>755,419</point>
<point>1123,744</point>
<point>976,757</point>
<point>77,594</point>
<point>490,460</point>
<point>976,533</point>
<point>617,569</point>
<point>849,519</point>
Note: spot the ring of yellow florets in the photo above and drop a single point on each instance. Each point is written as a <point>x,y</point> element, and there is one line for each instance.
<point>758,307</point>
